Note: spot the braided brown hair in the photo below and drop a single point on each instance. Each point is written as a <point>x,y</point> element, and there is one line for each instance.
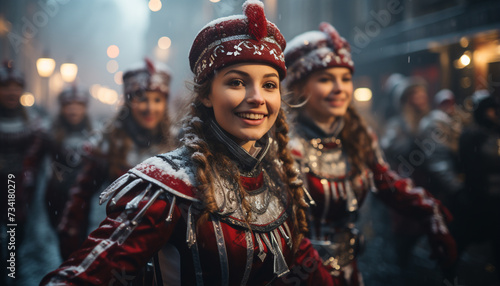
<point>295,188</point>
<point>208,154</point>
<point>356,140</point>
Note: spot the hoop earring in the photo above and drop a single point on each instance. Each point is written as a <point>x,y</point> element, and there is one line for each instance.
<point>298,105</point>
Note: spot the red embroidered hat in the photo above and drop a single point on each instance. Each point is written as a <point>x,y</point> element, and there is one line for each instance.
<point>146,77</point>
<point>315,50</point>
<point>73,94</point>
<point>235,39</point>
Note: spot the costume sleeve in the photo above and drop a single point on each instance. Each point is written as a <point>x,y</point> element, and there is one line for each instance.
<point>308,268</point>
<point>135,228</point>
<point>75,219</point>
<point>400,194</point>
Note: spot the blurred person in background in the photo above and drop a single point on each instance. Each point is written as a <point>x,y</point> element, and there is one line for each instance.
<point>411,101</point>
<point>69,137</point>
<point>23,140</point>
<point>439,133</point>
<point>140,129</point>
<point>477,209</point>
<point>389,87</point>
<point>340,159</point>
<point>404,155</point>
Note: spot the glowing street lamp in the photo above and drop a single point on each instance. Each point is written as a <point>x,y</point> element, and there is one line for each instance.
<point>154,5</point>
<point>27,99</point>
<point>45,68</point>
<point>69,72</point>
<point>363,94</point>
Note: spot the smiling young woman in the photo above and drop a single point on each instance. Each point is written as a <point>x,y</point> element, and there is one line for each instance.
<point>225,208</point>
<point>245,99</point>
<point>340,159</point>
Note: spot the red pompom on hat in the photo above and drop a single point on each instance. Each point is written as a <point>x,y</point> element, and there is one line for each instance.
<point>236,39</point>
<point>315,50</point>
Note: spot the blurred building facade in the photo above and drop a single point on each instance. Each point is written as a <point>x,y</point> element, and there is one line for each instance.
<point>453,44</point>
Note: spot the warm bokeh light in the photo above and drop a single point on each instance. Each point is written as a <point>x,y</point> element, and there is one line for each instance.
<point>113,51</point>
<point>464,42</point>
<point>164,43</point>
<point>363,94</point>
<point>45,66</point>
<point>465,60</point>
<point>465,82</point>
<point>104,94</point>
<point>94,89</point>
<point>69,72</point>
<point>154,5</point>
<point>112,66</point>
<point>27,99</point>
<point>161,54</point>
<point>119,78</point>
<point>214,1</point>
<point>107,95</point>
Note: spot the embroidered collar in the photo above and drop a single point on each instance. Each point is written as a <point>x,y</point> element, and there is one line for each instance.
<point>246,162</point>
<point>310,130</point>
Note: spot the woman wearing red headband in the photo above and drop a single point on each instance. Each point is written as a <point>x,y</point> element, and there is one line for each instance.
<point>140,130</point>
<point>339,156</point>
<point>226,208</point>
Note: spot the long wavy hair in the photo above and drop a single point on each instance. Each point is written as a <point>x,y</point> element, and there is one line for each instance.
<point>355,137</point>
<point>208,154</point>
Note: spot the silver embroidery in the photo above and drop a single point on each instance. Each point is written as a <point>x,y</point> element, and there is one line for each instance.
<point>262,254</point>
<point>124,191</point>
<point>218,49</point>
<point>248,268</point>
<point>221,246</point>
<point>111,189</point>
<point>171,210</point>
<point>268,211</point>
<point>190,229</point>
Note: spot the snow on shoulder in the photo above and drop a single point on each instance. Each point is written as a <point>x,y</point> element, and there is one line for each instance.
<point>172,171</point>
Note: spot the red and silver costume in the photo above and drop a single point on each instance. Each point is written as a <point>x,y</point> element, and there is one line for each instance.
<point>67,151</point>
<point>338,194</point>
<point>141,144</point>
<point>153,214</point>
<point>94,174</point>
<point>23,142</point>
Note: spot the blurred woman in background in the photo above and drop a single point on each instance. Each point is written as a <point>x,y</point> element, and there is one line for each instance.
<point>340,158</point>
<point>140,130</point>
<point>69,133</point>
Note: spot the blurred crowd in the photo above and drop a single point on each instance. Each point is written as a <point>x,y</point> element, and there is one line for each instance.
<point>450,148</point>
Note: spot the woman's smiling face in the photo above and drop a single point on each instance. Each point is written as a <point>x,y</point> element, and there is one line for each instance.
<point>246,100</point>
<point>329,92</point>
<point>149,109</point>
